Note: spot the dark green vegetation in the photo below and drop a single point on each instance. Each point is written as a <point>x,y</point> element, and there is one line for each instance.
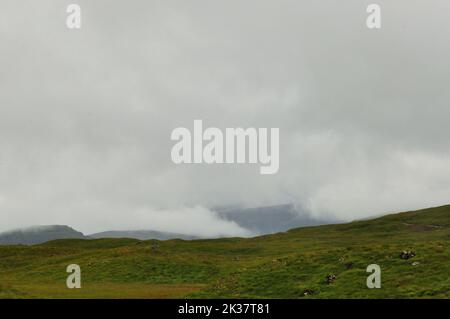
<point>283,265</point>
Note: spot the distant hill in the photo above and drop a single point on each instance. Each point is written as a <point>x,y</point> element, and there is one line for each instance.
<point>38,234</point>
<point>270,219</point>
<point>41,234</point>
<point>141,235</point>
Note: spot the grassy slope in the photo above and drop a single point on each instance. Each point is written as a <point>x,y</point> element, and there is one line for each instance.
<point>274,266</point>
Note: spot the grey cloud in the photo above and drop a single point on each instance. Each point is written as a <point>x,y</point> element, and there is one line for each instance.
<point>86,115</point>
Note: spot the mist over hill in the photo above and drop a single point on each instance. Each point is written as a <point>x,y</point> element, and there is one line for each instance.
<point>141,235</point>
<point>258,221</point>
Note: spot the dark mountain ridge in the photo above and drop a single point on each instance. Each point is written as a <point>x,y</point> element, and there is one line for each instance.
<point>271,219</point>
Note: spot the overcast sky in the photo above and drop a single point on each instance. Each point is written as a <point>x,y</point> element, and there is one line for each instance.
<point>86,115</point>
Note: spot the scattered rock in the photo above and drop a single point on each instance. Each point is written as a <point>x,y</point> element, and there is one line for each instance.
<point>330,278</point>
<point>349,266</point>
<point>415,263</point>
<point>155,247</point>
<point>308,292</point>
<point>281,261</point>
<point>407,254</point>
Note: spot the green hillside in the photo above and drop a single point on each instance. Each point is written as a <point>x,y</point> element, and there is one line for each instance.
<point>283,265</point>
